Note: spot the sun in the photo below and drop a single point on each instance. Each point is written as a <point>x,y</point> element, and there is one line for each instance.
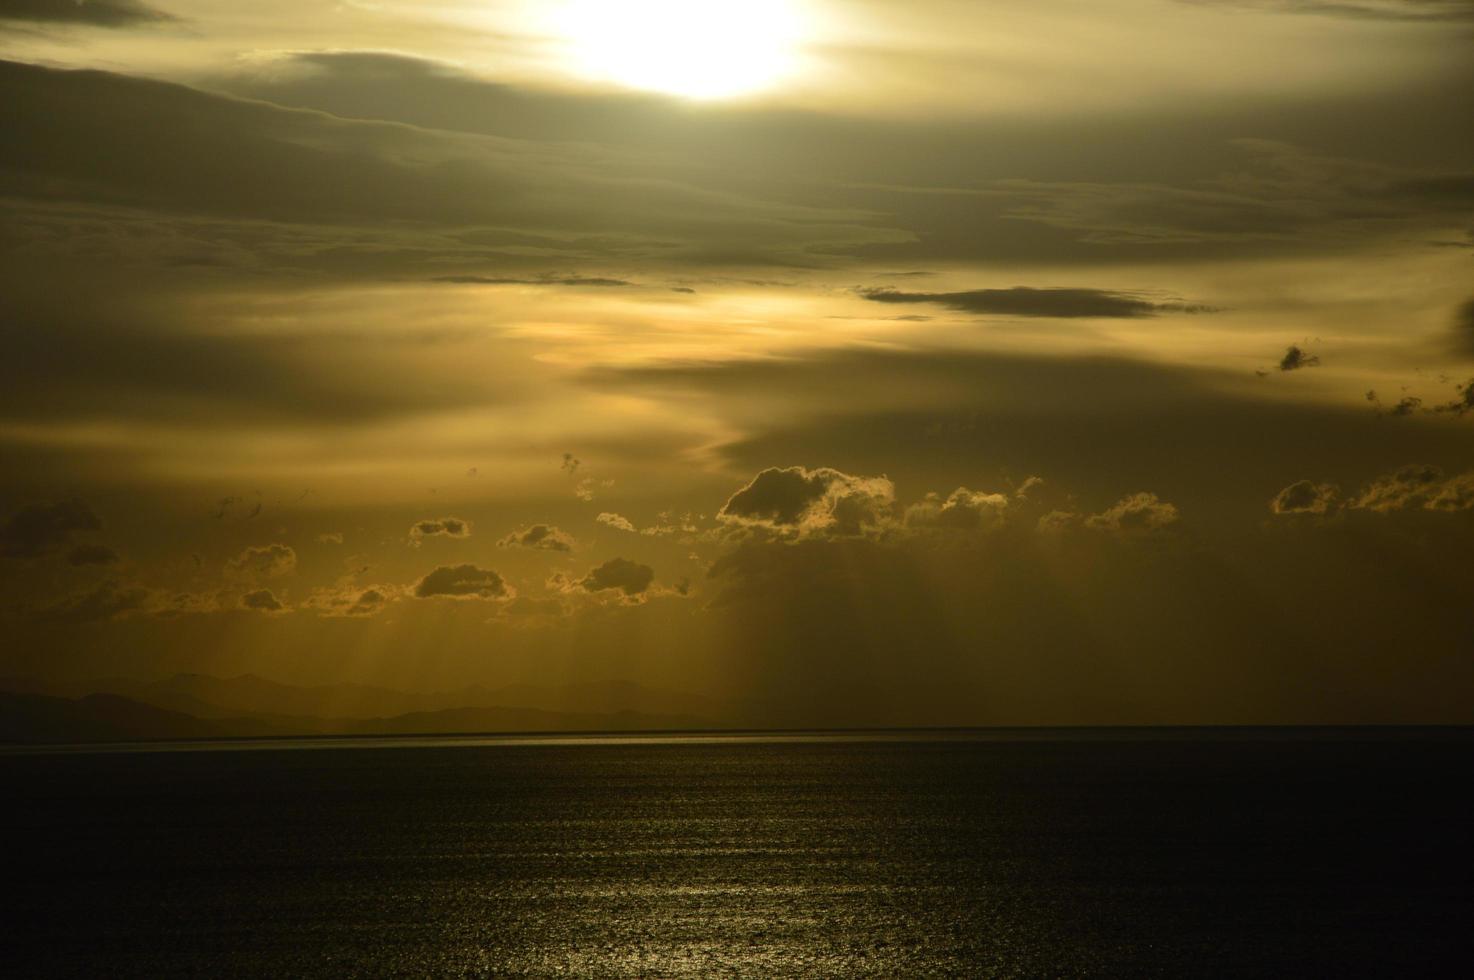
<point>699,49</point>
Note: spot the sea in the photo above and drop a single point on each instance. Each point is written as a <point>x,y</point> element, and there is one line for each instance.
<point>1028,853</point>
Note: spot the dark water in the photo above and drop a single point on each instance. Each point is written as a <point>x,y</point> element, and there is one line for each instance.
<point>1093,856</point>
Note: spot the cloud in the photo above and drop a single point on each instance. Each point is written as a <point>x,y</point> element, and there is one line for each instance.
<point>91,554</point>
<point>539,537</point>
<point>572,281</point>
<point>35,530</point>
<point>589,488</point>
<point>1464,403</point>
<point>1025,301</point>
<point>1137,513</point>
<point>1417,487</point>
<point>107,600</point>
<point>262,600</point>
<point>330,537</point>
<point>462,582</point>
<point>350,601</point>
<point>95,13</point>
<point>1295,358</point>
<point>281,178</point>
<point>628,577</point>
<point>1276,195</point>
<point>439,527</point>
<point>617,522</point>
<point>800,501</point>
<point>528,607</point>
<point>264,561</point>
<point>673,524</point>
<point>963,509</point>
<point>1463,332</point>
<point>1305,497</point>
<point>1435,11</point>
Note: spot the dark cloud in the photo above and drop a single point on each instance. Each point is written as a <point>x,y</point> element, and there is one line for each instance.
<point>1402,408</point>
<point>96,13</point>
<point>300,178</point>
<point>1026,301</point>
<point>1434,11</point>
<point>574,281</point>
<point>819,501</point>
<point>628,577</point>
<point>1166,182</point>
<point>1464,403</point>
<point>439,527</point>
<point>262,600</point>
<point>1296,358</point>
<point>351,601</point>
<point>1305,497</point>
<point>1417,487</point>
<point>35,530</point>
<point>1463,334</point>
<point>462,582</point>
<point>107,600</point>
<point>539,537</point>
<point>1137,513</point>
<point>264,561</point>
<point>91,554</point>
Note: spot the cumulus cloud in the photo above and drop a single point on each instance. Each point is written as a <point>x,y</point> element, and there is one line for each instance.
<point>462,582</point>
<point>617,522</point>
<point>1135,514</point>
<point>1417,487</point>
<point>1305,497</point>
<point>41,528</point>
<point>331,537</point>
<point>439,527</point>
<point>539,537</point>
<point>588,488</point>
<point>800,501</point>
<point>263,561</point>
<point>622,523</point>
<point>963,509</point>
<point>351,601</point>
<point>1026,301</point>
<point>629,577</point>
<point>262,600</point>
<point>94,13</point>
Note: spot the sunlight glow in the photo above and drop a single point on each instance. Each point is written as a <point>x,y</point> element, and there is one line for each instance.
<point>693,48</point>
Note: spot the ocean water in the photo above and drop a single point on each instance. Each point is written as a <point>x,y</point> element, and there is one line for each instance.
<point>1052,854</point>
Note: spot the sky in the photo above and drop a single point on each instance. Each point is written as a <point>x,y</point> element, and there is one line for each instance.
<point>935,362</point>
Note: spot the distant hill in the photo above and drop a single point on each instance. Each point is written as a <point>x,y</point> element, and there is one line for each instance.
<point>248,695</point>
<point>95,718</point>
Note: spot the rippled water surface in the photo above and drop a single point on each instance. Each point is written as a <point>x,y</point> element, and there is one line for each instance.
<point>1060,855</point>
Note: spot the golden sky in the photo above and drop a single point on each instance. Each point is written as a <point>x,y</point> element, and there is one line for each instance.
<point>931,362</point>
